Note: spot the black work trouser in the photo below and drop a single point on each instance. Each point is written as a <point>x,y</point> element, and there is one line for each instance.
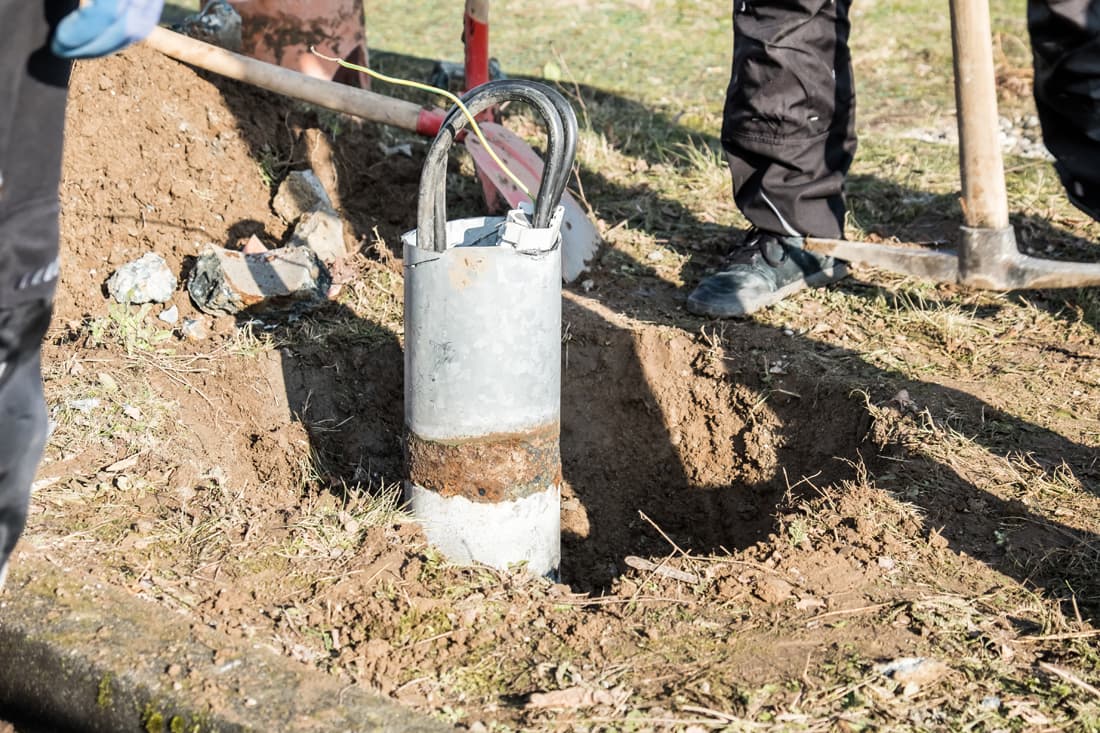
<point>788,127</point>
<point>789,122</point>
<point>1065,48</point>
<point>33,86</point>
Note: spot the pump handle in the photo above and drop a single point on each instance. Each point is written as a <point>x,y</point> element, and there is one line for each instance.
<point>561,148</point>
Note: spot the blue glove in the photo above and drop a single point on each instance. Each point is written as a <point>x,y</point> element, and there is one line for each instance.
<point>102,27</point>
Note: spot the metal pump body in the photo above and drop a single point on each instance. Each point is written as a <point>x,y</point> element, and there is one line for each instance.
<point>483,358</point>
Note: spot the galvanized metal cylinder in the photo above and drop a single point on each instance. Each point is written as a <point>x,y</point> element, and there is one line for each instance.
<point>483,391</point>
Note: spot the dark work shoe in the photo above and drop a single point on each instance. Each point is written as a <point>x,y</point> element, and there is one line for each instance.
<point>764,270</point>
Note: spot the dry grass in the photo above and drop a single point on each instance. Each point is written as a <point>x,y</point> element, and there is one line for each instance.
<point>985,375</point>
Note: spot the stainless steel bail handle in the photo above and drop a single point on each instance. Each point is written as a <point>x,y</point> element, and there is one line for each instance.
<point>561,128</point>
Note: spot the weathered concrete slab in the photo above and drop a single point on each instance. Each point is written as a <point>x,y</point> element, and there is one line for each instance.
<point>228,281</point>
<point>83,657</point>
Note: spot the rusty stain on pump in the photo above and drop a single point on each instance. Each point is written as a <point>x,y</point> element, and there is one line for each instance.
<point>487,469</point>
<point>466,268</point>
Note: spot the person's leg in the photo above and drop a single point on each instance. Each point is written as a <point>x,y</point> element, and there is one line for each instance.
<point>22,416</point>
<point>33,87</point>
<point>789,136</point>
<point>1065,45</point>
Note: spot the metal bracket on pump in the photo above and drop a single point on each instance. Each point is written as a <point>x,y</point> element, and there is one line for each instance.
<point>483,356</point>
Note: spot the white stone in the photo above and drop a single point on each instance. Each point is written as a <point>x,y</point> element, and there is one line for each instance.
<point>169,315</point>
<point>147,280</point>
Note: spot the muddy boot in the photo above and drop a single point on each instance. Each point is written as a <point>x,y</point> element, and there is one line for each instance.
<point>764,270</point>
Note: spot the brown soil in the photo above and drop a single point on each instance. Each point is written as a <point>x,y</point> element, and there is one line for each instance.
<point>779,468</point>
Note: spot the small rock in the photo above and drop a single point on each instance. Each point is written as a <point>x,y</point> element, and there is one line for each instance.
<point>913,672</point>
<point>170,315</point>
<point>131,412</point>
<point>587,285</point>
<point>147,280</point>
<point>300,193</point>
<point>398,149</point>
<point>904,402</point>
<point>809,603</point>
<point>886,563</point>
<point>323,232</point>
<point>228,282</point>
<point>194,330</point>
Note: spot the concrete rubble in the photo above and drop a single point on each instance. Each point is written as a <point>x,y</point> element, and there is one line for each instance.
<point>322,231</point>
<point>227,282</point>
<point>146,280</point>
<point>303,201</point>
<point>299,193</point>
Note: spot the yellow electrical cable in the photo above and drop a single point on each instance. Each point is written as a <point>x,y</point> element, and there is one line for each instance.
<point>435,90</point>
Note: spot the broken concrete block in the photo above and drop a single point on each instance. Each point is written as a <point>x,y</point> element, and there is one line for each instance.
<point>285,279</point>
<point>300,193</point>
<point>323,232</point>
<point>146,280</point>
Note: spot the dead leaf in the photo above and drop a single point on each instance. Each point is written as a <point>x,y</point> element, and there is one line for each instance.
<point>125,464</point>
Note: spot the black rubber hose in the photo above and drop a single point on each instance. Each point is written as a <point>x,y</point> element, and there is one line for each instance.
<point>561,127</point>
<point>561,141</point>
<point>477,101</point>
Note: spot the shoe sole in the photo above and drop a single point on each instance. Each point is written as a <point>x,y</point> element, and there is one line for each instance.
<point>826,276</point>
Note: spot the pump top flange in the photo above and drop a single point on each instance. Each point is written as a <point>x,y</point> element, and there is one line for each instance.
<point>561,127</point>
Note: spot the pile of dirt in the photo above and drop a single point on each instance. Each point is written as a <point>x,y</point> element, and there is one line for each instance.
<point>735,503</point>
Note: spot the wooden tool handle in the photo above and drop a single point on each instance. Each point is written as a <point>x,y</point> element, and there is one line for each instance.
<point>330,95</point>
<point>984,199</point>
